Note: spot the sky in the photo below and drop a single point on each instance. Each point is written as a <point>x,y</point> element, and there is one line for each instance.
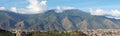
<point>95,7</point>
<point>80,4</point>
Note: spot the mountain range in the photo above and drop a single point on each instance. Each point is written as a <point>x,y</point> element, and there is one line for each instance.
<point>72,19</point>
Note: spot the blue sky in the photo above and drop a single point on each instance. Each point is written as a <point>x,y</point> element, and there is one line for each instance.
<point>80,4</point>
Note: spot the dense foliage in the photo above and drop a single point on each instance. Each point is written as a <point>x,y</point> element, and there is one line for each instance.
<point>6,33</point>
<point>49,33</point>
<point>57,33</point>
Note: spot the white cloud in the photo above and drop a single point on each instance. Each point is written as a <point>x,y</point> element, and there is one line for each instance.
<point>115,13</point>
<point>110,14</point>
<point>58,9</point>
<point>61,9</point>
<point>2,8</point>
<point>97,12</point>
<point>24,11</point>
<point>68,8</point>
<point>36,7</point>
<point>14,9</point>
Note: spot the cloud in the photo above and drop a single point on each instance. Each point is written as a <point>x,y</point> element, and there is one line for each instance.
<point>115,13</point>
<point>97,12</point>
<point>36,7</point>
<point>68,8</point>
<point>110,14</point>
<point>58,9</point>
<point>14,9</point>
<point>61,9</point>
<point>2,8</point>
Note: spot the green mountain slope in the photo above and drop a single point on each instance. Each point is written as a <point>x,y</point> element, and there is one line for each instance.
<point>50,20</point>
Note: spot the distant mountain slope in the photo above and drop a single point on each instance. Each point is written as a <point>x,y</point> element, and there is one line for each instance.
<point>73,19</point>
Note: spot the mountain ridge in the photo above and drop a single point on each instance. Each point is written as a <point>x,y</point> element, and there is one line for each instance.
<point>73,19</point>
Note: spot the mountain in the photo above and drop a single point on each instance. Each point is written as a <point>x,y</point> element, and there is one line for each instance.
<point>68,20</point>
